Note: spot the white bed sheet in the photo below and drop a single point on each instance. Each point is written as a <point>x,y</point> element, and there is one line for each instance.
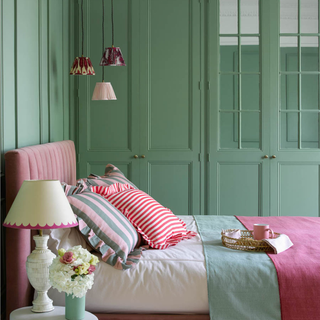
<point>171,281</point>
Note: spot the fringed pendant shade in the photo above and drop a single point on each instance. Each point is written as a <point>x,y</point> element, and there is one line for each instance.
<point>82,66</point>
<point>103,90</point>
<point>112,56</point>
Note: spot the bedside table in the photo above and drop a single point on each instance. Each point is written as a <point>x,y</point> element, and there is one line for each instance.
<point>57,314</point>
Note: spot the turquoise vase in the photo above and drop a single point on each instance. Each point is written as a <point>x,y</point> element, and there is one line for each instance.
<point>75,307</point>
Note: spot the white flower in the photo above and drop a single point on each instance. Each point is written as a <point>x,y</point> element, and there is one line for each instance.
<point>63,276</point>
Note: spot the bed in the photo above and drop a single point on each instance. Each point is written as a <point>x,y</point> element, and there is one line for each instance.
<point>58,161</point>
<point>174,283</point>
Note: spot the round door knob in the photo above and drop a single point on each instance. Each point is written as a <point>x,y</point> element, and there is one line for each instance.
<point>143,156</point>
<point>273,156</point>
<point>266,156</point>
<point>136,156</point>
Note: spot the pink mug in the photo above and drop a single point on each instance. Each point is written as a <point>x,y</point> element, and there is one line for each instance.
<point>262,231</point>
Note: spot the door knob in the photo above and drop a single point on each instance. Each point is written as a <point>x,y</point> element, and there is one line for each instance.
<point>136,156</point>
<point>266,156</point>
<point>273,156</point>
<point>143,156</point>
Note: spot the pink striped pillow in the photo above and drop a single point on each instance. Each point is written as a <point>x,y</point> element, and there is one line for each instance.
<point>157,224</point>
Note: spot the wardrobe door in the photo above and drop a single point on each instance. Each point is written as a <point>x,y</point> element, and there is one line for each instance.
<point>238,108</point>
<point>108,131</point>
<point>295,174</point>
<point>170,103</point>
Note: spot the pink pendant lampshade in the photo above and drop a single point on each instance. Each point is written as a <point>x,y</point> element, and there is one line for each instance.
<point>82,66</point>
<point>112,56</point>
<point>103,91</point>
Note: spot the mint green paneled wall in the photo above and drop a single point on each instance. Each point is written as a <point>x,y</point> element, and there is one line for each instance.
<point>35,71</point>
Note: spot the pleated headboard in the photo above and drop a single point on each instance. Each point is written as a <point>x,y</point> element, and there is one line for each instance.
<point>52,161</point>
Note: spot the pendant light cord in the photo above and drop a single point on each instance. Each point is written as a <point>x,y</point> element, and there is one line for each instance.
<point>102,37</point>
<point>82,24</point>
<point>112,23</point>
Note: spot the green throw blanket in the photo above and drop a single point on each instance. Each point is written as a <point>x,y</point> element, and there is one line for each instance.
<point>241,285</point>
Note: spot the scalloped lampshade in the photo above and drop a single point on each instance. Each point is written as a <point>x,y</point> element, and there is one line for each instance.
<point>40,204</point>
<point>112,57</point>
<point>103,91</point>
<point>82,66</point>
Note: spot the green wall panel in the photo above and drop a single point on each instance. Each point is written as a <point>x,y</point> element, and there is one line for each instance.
<point>299,189</point>
<point>239,188</point>
<point>35,68</point>
<point>27,72</point>
<point>170,73</point>
<point>8,73</point>
<point>164,176</point>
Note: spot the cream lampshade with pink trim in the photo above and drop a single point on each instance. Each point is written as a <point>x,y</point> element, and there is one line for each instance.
<point>103,91</point>
<point>40,204</point>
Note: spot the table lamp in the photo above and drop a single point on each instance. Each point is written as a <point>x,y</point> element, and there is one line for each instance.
<point>40,204</point>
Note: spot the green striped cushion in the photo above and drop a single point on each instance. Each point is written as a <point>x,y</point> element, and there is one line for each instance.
<point>111,176</point>
<point>106,229</point>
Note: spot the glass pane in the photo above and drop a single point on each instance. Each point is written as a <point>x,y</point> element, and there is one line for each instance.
<point>309,16</point>
<point>229,92</point>
<point>288,53</point>
<point>310,130</point>
<point>250,129</point>
<point>289,130</point>
<point>249,16</point>
<point>309,91</point>
<point>228,130</point>
<point>289,16</point>
<point>289,92</point>
<point>309,54</point>
<point>250,54</point>
<point>228,54</point>
<point>228,16</point>
<point>250,97</point>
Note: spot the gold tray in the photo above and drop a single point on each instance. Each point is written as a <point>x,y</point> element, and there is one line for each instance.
<point>246,242</point>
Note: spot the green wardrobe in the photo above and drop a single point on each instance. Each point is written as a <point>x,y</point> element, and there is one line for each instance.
<point>217,111</point>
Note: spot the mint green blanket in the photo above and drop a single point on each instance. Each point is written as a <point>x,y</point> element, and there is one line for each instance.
<point>241,285</point>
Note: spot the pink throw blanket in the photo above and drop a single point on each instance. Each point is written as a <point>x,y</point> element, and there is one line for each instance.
<point>298,268</point>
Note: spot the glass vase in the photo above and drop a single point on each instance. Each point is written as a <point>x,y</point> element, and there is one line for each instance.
<point>75,307</point>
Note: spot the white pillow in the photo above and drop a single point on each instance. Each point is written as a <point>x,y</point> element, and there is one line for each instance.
<point>65,238</point>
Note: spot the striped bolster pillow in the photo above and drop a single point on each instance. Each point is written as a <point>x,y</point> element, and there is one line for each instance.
<point>71,190</point>
<point>158,226</point>
<point>112,175</point>
<point>106,229</point>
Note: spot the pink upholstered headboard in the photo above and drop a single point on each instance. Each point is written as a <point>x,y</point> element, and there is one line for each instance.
<point>55,160</point>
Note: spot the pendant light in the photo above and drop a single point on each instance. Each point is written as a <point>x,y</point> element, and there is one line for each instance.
<point>103,90</point>
<point>82,65</point>
<point>112,56</point>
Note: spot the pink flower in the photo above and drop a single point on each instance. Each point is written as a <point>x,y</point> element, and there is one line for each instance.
<point>91,269</point>
<point>67,258</point>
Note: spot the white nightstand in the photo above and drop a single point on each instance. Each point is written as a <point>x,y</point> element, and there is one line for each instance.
<point>57,314</point>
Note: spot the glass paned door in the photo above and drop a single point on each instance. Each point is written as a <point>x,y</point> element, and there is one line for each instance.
<point>295,123</point>
<point>238,145</point>
<point>239,73</point>
<point>299,74</point>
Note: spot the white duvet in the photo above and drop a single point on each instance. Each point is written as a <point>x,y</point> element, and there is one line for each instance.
<point>171,281</point>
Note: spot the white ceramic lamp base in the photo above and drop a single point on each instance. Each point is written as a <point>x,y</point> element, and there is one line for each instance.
<point>38,263</point>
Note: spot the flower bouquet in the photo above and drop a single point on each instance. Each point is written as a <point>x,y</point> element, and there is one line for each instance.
<point>72,272</point>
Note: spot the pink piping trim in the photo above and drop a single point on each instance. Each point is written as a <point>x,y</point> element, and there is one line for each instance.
<point>54,226</point>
